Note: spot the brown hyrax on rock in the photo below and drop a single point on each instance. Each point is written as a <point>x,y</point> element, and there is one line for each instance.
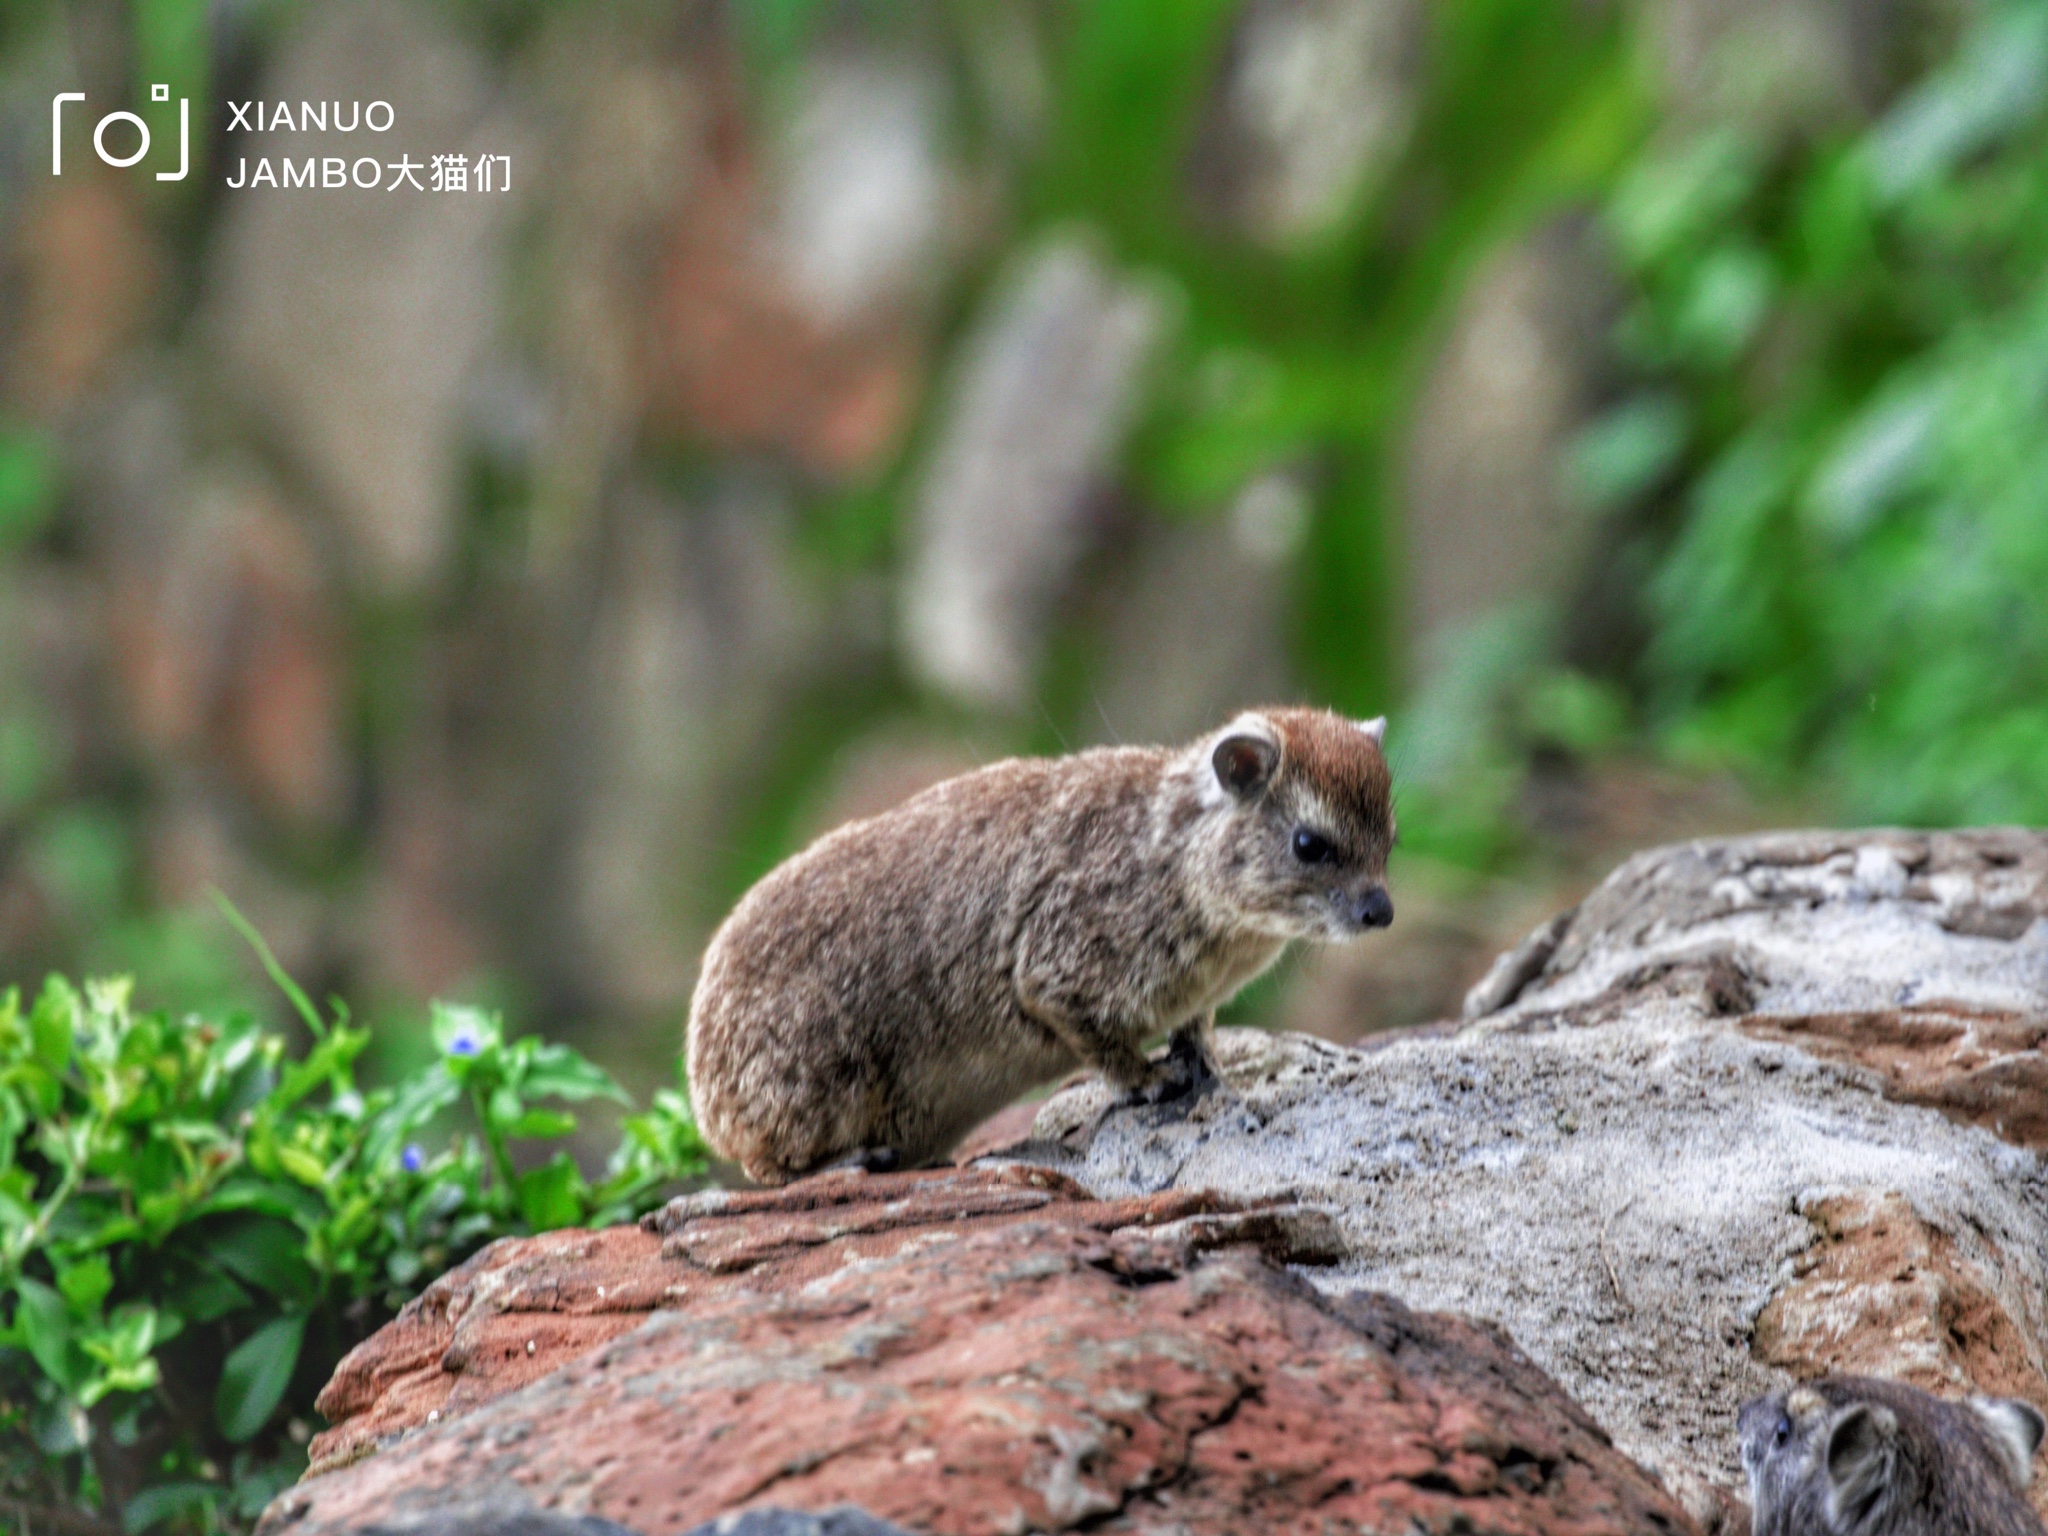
<point>879,994</point>
<point>1855,1456</point>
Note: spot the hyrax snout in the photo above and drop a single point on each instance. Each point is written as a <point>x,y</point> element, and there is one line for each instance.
<point>906,976</point>
<point>1857,1456</point>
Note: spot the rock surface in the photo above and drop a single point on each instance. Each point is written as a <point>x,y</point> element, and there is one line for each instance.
<point>985,1350</point>
<point>843,1521</point>
<point>1756,1109</point>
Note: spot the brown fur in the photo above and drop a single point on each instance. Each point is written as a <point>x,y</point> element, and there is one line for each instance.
<point>1859,1456</point>
<point>906,976</point>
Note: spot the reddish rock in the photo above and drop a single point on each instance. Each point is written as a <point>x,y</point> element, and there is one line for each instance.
<point>229,647</point>
<point>733,355</point>
<point>1980,1066</point>
<point>84,273</point>
<point>966,1351</point>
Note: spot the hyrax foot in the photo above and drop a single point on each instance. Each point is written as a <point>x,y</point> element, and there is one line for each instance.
<point>1186,1075</point>
<point>864,1160</point>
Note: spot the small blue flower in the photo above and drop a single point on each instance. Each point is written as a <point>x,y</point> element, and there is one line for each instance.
<point>465,1043</point>
<point>412,1159</point>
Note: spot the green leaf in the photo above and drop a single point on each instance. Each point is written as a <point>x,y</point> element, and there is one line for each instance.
<point>207,1296</point>
<point>51,1028</point>
<point>139,1377</point>
<point>328,1059</point>
<point>121,1349</point>
<point>153,1506</point>
<point>1624,453</point>
<point>418,1100</point>
<point>253,1380</point>
<point>502,1109</point>
<point>1669,199</point>
<point>127,1338</point>
<point>160,1211</point>
<point>85,1284</point>
<point>540,1123</point>
<point>266,1253</point>
<point>557,1072</point>
<point>44,1322</point>
<point>15,1213</point>
<point>303,1166</point>
<point>56,1017</point>
<point>1995,82</point>
<point>550,1196</point>
<point>288,1201</point>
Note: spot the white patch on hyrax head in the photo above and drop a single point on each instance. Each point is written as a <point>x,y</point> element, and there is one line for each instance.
<point>1374,729</point>
<point>2016,1430</point>
<point>1314,813</point>
<point>1215,794</point>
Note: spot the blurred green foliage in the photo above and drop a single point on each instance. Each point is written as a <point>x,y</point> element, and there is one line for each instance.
<point>1302,357</point>
<point>28,484</point>
<point>196,1222</point>
<point>1308,357</point>
<point>1843,352</point>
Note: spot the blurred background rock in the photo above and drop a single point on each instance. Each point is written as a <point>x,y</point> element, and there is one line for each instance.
<point>1643,402</point>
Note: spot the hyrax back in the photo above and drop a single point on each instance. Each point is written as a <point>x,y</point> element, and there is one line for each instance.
<point>1856,1456</point>
<point>908,975</point>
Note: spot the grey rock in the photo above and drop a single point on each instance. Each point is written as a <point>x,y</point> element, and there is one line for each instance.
<point>1606,1164</point>
<point>844,1520</point>
<point>1779,66</point>
<point>861,189</point>
<point>1487,522</point>
<point>693,646</point>
<point>1197,622</point>
<point>352,318</point>
<point>1314,102</point>
<point>496,1520</point>
<point>1048,387</point>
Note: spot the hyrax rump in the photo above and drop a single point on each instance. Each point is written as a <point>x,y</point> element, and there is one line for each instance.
<point>904,977</point>
<point>1856,1456</point>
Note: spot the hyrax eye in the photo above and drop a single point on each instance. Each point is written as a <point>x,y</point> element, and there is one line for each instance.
<point>1312,847</point>
<point>1783,1432</point>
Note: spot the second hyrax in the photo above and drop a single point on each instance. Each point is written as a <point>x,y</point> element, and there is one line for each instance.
<point>1858,1456</point>
<point>904,977</point>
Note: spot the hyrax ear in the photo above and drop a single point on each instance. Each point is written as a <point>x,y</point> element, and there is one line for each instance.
<point>1244,761</point>
<point>1859,1460</point>
<point>2016,1429</point>
<point>1375,729</point>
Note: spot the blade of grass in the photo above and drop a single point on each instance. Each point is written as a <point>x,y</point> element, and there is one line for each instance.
<point>277,973</point>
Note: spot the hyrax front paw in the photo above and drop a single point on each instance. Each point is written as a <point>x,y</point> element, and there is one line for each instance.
<point>865,1160</point>
<point>1186,1074</point>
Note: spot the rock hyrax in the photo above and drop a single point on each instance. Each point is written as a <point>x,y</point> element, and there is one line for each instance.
<point>904,977</point>
<point>1855,1456</point>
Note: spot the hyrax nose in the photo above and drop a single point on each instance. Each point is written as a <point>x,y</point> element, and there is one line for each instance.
<point>1373,908</point>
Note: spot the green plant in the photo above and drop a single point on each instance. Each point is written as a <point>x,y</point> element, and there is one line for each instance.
<point>195,1223</point>
<point>1843,349</point>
